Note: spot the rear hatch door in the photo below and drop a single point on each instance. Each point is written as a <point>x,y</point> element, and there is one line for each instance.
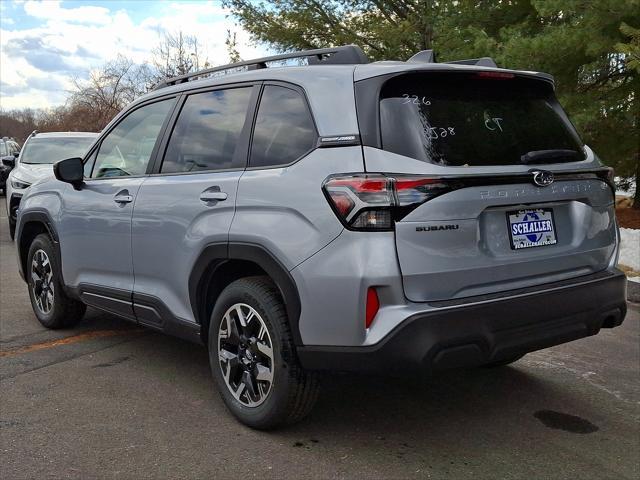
<point>527,202</point>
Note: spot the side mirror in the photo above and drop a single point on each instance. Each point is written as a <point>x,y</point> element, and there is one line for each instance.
<point>9,161</point>
<point>70,171</point>
<point>16,154</point>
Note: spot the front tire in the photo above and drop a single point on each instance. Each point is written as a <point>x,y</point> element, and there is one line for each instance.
<point>53,308</point>
<point>253,358</point>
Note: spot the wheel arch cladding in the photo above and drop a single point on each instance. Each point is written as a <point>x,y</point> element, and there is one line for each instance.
<point>220,264</point>
<point>30,226</point>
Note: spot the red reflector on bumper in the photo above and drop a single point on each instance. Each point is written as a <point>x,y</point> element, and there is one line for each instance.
<point>373,304</point>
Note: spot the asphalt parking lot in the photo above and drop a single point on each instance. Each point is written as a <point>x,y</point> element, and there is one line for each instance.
<point>111,400</point>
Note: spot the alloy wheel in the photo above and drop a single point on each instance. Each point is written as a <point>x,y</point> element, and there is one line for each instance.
<point>42,281</point>
<point>245,353</point>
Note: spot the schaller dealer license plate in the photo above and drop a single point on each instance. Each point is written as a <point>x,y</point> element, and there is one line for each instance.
<point>531,228</point>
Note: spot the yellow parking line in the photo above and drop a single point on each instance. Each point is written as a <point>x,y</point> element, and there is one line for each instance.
<point>81,337</point>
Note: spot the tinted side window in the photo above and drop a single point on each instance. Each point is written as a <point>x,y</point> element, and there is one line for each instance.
<point>284,128</point>
<point>126,150</point>
<point>207,131</point>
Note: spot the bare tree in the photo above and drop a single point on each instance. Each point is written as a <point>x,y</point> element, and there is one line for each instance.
<point>177,54</point>
<point>108,90</point>
<point>93,102</point>
<point>232,47</point>
<point>18,123</point>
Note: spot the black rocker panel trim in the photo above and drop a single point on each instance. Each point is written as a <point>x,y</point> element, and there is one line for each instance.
<point>146,310</point>
<point>152,312</point>
<point>112,300</point>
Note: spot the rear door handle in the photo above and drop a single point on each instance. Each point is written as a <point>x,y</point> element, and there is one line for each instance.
<point>123,198</point>
<point>213,196</point>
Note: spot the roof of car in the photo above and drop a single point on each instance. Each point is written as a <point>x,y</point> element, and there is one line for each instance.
<point>309,74</point>
<point>328,83</point>
<point>339,62</point>
<point>324,85</point>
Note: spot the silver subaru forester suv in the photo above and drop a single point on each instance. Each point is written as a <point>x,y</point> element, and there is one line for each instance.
<point>383,217</point>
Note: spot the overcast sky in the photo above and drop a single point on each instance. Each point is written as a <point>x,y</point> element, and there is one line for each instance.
<point>45,44</point>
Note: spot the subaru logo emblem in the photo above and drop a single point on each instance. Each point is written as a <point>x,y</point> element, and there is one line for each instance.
<point>542,178</point>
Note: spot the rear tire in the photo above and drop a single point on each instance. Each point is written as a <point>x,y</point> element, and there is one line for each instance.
<point>53,308</point>
<point>505,362</point>
<point>253,358</point>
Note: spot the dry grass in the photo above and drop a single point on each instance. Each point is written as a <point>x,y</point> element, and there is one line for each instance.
<point>628,271</point>
<point>628,217</point>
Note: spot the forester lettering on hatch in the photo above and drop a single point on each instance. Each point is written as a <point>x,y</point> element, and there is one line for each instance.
<point>531,191</point>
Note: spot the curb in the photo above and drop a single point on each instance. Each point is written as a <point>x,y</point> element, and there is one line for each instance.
<point>633,291</point>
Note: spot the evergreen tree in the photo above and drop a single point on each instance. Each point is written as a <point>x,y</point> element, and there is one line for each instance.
<point>590,46</point>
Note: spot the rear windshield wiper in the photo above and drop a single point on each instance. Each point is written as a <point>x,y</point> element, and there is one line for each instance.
<point>549,156</point>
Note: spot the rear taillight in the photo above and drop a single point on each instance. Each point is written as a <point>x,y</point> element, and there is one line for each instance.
<point>608,175</point>
<point>375,201</point>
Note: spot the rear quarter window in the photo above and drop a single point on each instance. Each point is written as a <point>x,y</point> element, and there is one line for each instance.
<point>284,130</point>
<point>470,119</point>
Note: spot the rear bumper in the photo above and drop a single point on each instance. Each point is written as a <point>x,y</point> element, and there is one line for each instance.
<point>486,329</point>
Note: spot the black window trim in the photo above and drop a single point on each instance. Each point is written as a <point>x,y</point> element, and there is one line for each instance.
<point>242,150</point>
<point>117,120</point>
<point>301,91</point>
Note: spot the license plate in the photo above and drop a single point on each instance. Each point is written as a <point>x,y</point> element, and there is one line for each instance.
<point>531,228</point>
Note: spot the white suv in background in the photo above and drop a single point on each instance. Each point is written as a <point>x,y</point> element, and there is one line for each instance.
<point>39,153</point>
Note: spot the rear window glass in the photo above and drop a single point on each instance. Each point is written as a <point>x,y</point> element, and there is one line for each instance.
<point>468,119</point>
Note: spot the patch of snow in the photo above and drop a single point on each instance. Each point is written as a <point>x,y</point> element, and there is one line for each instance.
<point>630,248</point>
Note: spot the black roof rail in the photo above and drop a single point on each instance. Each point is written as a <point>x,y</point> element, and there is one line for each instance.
<point>429,56</point>
<point>347,54</point>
